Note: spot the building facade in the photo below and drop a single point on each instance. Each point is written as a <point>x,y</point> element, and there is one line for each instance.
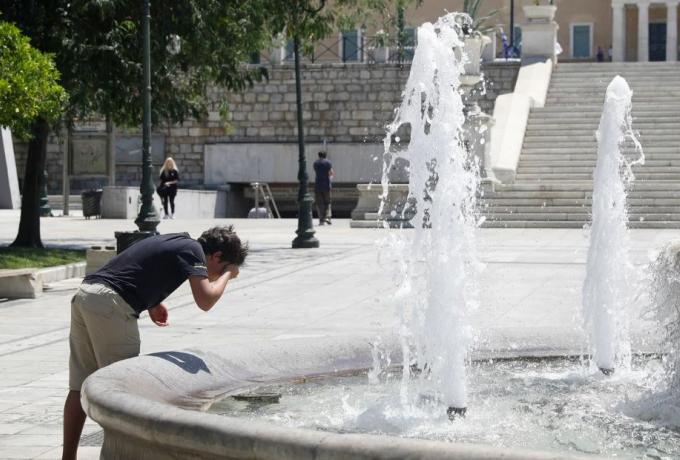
<point>348,99</point>
<point>625,30</point>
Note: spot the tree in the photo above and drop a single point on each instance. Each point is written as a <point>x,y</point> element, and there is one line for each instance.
<point>97,48</point>
<point>30,98</point>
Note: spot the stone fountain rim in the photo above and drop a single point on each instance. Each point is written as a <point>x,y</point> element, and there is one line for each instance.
<point>146,407</point>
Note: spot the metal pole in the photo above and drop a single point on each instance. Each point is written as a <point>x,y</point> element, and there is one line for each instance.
<point>147,220</point>
<point>111,150</point>
<point>305,231</point>
<point>512,24</point>
<point>65,179</point>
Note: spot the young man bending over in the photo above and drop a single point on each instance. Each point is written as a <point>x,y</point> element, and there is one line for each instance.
<point>105,308</point>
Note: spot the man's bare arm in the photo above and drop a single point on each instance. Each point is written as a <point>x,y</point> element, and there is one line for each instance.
<point>207,293</point>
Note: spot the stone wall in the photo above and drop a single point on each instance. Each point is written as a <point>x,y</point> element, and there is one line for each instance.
<point>343,103</point>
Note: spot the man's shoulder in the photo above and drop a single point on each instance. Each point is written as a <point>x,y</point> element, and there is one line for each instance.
<point>176,241</point>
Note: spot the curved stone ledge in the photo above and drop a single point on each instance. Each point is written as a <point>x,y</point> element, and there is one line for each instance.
<point>150,407</point>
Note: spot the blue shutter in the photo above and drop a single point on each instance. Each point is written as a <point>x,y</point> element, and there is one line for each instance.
<point>350,45</point>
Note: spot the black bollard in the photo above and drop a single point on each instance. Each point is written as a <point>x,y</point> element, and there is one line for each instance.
<point>454,412</point>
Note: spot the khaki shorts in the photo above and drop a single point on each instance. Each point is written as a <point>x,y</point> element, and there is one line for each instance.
<point>103,330</point>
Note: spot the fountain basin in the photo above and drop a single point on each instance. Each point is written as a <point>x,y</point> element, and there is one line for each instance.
<point>150,408</point>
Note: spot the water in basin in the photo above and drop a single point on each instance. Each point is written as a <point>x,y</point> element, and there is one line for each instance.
<point>554,405</point>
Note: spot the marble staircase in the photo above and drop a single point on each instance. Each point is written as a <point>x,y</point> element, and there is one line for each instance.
<point>553,186</point>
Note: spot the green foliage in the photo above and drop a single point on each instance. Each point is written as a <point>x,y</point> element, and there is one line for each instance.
<point>97,45</point>
<point>314,20</point>
<point>194,43</point>
<point>471,7</point>
<point>11,257</point>
<point>28,83</point>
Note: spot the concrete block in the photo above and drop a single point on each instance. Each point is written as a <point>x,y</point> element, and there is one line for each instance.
<point>20,284</point>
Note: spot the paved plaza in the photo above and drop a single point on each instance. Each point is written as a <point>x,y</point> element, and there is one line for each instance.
<point>530,304</point>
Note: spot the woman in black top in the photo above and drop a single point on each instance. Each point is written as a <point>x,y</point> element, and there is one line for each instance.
<point>167,190</point>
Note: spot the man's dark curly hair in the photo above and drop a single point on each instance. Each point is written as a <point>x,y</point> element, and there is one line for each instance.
<point>226,240</point>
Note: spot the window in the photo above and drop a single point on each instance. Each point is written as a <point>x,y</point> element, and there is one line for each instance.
<point>408,41</point>
<point>350,45</point>
<point>289,51</point>
<point>581,41</point>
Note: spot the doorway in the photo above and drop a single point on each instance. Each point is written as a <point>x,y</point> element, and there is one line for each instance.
<point>657,41</point>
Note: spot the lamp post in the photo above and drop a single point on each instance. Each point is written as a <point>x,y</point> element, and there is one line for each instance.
<point>305,231</point>
<point>147,220</point>
<point>512,25</point>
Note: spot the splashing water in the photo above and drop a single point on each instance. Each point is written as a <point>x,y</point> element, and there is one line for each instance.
<point>665,309</point>
<point>607,288</point>
<point>436,263</point>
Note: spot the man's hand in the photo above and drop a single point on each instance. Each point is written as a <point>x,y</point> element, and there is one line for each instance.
<point>233,271</point>
<point>159,315</point>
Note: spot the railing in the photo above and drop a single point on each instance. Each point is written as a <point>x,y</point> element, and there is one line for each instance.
<point>361,49</point>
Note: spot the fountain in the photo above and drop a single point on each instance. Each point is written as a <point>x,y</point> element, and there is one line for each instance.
<point>339,399</point>
<point>438,260</point>
<point>607,288</point>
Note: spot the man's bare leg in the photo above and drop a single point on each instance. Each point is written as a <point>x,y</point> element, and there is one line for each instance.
<point>74,419</point>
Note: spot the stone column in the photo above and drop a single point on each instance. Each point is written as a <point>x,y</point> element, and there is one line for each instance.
<point>643,31</point>
<point>672,31</point>
<point>618,33</point>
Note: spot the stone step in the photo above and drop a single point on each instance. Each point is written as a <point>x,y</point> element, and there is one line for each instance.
<point>566,67</point>
<point>576,194</point>
<point>580,216</point>
<point>587,185</point>
<point>535,137</point>
<point>556,177</point>
<point>585,155</point>
<point>570,167</point>
<point>556,130</point>
<point>549,113</point>
<point>568,224</point>
<point>598,99</point>
<point>604,79</point>
<point>634,210</point>
<point>530,164</point>
<point>553,125</point>
<point>580,202</point>
<point>640,92</point>
<point>591,109</point>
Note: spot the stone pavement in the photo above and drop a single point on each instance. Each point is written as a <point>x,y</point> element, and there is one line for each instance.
<point>530,303</point>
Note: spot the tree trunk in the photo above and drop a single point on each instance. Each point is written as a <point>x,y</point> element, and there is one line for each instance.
<point>29,224</point>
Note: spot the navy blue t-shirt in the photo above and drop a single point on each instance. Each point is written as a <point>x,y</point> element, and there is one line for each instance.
<point>150,270</point>
<point>323,181</point>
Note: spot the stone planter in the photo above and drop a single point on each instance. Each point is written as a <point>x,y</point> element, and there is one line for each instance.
<point>380,54</point>
<point>539,13</point>
<point>474,46</point>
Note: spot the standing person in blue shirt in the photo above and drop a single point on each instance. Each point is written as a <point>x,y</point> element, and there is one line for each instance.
<point>322,187</point>
<point>105,308</point>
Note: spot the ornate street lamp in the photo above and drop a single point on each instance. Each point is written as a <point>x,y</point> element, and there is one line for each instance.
<point>148,219</point>
<point>305,231</point>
